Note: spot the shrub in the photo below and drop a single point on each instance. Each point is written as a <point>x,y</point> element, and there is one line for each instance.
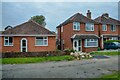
<point>69,50</point>
<point>32,54</point>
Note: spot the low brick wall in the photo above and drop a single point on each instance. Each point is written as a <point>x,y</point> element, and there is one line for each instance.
<point>33,54</point>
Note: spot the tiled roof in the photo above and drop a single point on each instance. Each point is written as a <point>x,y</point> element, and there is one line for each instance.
<point>78,18</point>
<point>84,36</point>
<point>28,28</point>
<point>107,20</point>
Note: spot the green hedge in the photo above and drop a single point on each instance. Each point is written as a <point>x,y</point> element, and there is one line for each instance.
<point>113,41</point>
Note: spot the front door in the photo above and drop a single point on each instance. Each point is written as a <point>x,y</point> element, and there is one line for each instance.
<point>23,45</point>
<point>77,45</point>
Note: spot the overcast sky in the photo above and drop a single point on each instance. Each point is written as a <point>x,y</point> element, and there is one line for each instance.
<point>15,13</point>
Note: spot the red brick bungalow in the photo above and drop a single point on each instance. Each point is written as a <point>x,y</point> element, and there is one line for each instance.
<point>79,32</point>
<point>28,37</point>
<point>109,28</point>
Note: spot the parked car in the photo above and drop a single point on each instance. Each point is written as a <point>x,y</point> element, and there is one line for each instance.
<point>111,45</point>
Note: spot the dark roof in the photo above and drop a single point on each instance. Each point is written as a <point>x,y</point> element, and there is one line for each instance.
<point>84,36</point>
<point>78,18</point>
<point>107,20</point>
<point>28,28</point>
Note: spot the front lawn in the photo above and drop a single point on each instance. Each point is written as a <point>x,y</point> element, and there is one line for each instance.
<point>35,59</point>
<point>105,53</point>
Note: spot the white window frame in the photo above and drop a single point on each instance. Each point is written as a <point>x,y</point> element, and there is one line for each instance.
<point>77,24</point>
<point>113,38</point>
<point>91,26</point>
<point>43,41</point>
<point>103,27</point>
<point>114,27</point>
<point>91,40</point>
<point>8,41</point>
<point>21,46</point>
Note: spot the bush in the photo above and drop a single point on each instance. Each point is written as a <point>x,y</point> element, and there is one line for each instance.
<point>32,54</point>
<point>98,49</point>
<point>69,50</point>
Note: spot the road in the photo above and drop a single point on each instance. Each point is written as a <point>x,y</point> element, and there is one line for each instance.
<point>90,68</point>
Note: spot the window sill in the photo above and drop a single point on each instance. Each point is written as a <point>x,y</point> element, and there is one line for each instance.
<point>76,30</point>
<point>8,45</point>
<point>91,46</point>
<point>113,31</point>
<point>89,31</point>
<point>41,45</point>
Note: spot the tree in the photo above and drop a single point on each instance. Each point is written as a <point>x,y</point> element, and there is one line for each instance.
<point>39,19</point>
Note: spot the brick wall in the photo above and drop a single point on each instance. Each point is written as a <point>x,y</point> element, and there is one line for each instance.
<point>31,45</point>
<point>108,30</point>
<point>90,49</point>
<point>68,32</point>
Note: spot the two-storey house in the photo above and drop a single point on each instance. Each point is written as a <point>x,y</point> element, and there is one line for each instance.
<point>79,32</point>
<point>109,28</point>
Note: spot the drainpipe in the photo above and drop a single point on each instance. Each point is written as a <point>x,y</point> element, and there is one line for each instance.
<point>99,34</point>
<point>60,39</point>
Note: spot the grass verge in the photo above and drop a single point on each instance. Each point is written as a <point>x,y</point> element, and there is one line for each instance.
<point>105,53</point>
<point>35,59</point>
<point>114,75</point>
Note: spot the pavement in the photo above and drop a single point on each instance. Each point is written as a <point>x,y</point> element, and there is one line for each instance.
<point>88,68</point>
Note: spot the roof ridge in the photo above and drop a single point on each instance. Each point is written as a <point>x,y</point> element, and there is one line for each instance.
<point>16,26</point>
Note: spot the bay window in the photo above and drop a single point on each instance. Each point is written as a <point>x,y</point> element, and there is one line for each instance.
<point>91,42</point>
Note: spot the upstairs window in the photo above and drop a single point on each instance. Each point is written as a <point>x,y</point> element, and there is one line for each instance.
<point>104,27</point>
<point>41,41</point>
<point>89,27</point>
<point>8,41</point>
<point>76,26</point>
<point>113,27</point>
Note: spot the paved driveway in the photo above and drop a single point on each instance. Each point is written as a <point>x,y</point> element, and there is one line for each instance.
<point>64,69</point>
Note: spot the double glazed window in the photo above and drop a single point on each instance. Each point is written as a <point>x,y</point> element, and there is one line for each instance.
<point>8,41</point>
<point>41,41</point>
<point>113,27</point>
<point>104,27</point>
<point>76,26</point>
<point>91,42</point>
<point>89,27</point>
<point>113,38</point>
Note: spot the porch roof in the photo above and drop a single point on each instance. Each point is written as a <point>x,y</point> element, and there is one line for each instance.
<point>84,36</point>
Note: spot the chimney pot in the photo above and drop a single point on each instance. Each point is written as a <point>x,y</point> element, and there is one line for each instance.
<point>105,15</point>
<point>88,14</point>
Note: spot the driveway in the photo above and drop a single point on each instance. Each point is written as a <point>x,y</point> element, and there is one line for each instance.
<point>90,68</point>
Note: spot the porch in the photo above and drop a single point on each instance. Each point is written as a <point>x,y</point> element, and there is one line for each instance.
<point>85,42</point>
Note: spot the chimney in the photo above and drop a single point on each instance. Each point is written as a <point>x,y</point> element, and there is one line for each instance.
<point>88,14</point>
<point>105,15</point>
